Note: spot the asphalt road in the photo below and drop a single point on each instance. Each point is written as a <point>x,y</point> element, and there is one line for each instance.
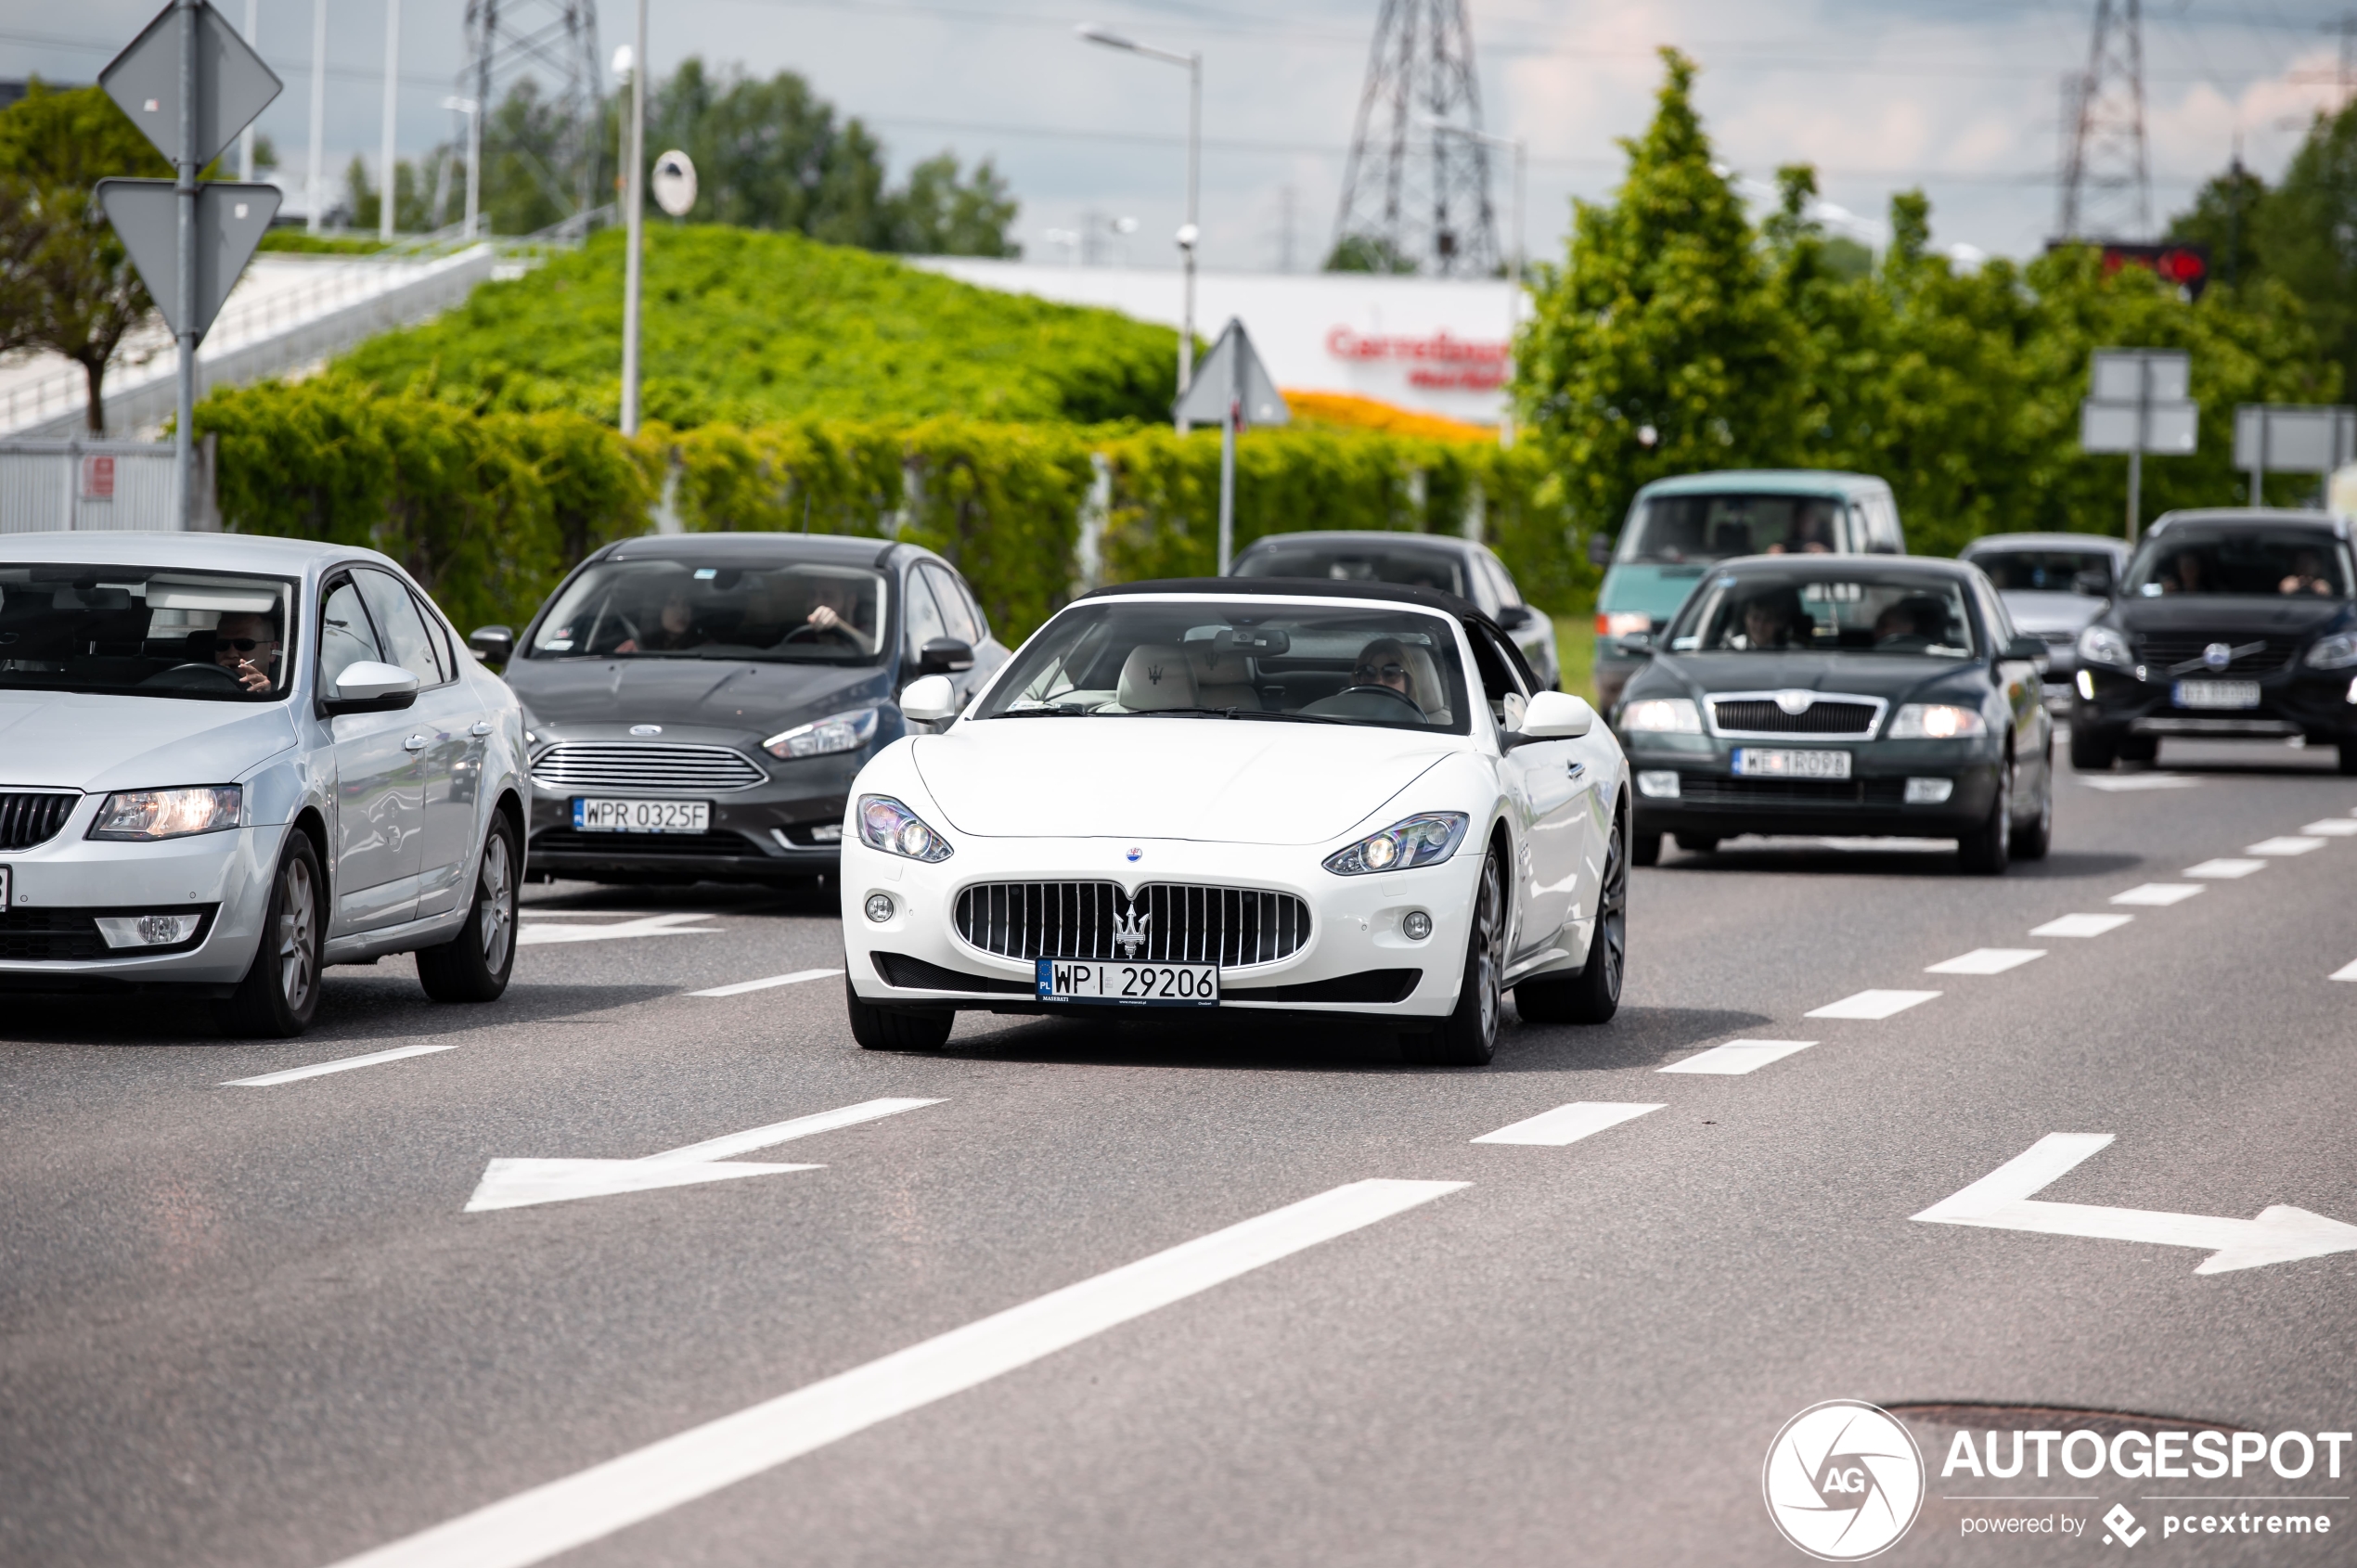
<point>256,1325</point>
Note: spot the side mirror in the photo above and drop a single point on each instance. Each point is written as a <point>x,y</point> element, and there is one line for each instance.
<point>944,656</point>
<point>2094,584</point>
<point>493,645</point>
<point>1515,617</point>
<point>1636,645</point>
<point>370,688</point>
<point>1599,550</point>
<point>930,699</point>
<point>2025,648</point>
<point>1556,715</point>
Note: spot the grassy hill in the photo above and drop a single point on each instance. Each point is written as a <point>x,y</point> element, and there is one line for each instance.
<point>742,326</point>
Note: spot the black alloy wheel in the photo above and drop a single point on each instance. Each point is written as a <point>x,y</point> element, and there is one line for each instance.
<point>475,966</point>
<point>1468,1037</point>
<point>1988,849</point>
<point>897,1029</point>
<point>2090,749</point>
<point>1592,996</point>
<point>280,992</point>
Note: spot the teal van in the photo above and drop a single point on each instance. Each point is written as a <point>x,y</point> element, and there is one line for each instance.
<point>1678,527</point>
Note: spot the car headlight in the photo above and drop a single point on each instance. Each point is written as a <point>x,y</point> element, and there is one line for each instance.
<point>887,825</point>
<point>1423,839</point>
<point>1662,715</point>
<point>2336,652</point>
<point>170,814</point>
<point>2101,645</point>
<point>820,737</point>
<point>1935,721</point>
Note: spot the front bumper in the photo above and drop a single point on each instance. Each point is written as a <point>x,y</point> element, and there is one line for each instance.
<point>2320,705</point>
<point>1354,925</point>
<point>1713,803</point>
<point>49,940</point>
<point>784,828</point>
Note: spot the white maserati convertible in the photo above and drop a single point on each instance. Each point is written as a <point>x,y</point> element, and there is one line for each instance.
<point>1245,794</point>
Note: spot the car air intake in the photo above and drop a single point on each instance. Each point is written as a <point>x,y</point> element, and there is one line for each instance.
<point>1749,716</point>
<point>592,764</point>
<point>26,820</point>
<point>1166,923</point>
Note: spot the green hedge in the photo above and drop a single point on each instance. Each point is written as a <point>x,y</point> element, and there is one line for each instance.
<point>488,511</point>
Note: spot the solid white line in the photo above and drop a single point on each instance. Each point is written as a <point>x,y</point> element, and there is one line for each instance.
<point>752,1139</point>
<point>535,1526</point>
<point>2346,971</point>
<point>2285,846</point>
<point>1985,960</point>
<point>1738,1057</point>
<point>2081,925</point>
<point>2226,870</point>
<point>2158,896</point>
<point>343,1064</point>
<point>2141,781</point>
<point>2333,828</point>
<point>741,987</point>
<point>1872,1004</point>
<point>1567,1124</point>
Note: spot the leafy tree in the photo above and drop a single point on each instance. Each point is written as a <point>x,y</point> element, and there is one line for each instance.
<point>2221,219</point>
<point>1366,253</point>
<point>412,210</point>
<point>77,293</point>
<point>939,214</point>
<point>2307,232</point>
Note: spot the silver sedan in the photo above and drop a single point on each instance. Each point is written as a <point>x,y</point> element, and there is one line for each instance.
<point>226,762</point>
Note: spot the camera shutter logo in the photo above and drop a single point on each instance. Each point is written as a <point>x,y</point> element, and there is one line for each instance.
<point>1844,1481</point>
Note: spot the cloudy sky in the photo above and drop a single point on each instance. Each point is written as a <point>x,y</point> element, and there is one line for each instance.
<point>1959,97</point>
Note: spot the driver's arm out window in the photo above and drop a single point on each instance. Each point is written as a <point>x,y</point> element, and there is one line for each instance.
<point>345,637</point>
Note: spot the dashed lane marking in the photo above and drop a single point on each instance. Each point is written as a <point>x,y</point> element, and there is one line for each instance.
<point>645,925</point>
<point>741,987</point>
<point>2225,869</point>
<point>1738,1057</point>
<point>1567,1124</point>
<point>2287,844</point>
<point>1985,960</point>
<point>535,1526</point>
<point>2333,828</point>
<point>2158,896</point>
<point>343,1064</point>
<point>2133,781</point>
<point>1872,1004</point>
<point>2081,925</point>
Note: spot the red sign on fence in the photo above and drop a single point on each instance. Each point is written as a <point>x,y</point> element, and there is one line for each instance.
<point>98,478</point>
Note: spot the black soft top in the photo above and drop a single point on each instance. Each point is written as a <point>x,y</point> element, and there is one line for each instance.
<point>1302,587</point>
<point>831,549</point>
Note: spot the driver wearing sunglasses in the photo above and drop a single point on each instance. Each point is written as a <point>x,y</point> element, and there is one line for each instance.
<point>1384,663</point>
<point>247,646</point>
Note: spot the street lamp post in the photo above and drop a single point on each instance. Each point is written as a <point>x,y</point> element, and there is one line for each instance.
<point>473,110</point>
<point>1190,231</point>
<point>1515,271</point>
<point>634,218</point>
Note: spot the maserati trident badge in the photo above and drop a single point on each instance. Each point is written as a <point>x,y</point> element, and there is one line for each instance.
<point>1130,932</point>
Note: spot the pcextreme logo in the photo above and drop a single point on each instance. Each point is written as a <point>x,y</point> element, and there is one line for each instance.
<point>1844,1481</point>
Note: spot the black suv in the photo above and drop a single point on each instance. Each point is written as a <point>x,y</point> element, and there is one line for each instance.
<point>2226,623</point>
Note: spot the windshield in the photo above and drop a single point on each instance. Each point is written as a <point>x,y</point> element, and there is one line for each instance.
<point>2046,572</point>
<point>2272,562</point>
<point>1859,612</point>
<point>1357,561</point>
<point>145,630</point>
<point>1253,659</point>
<point>1680,530</point>
<point>798,610</point>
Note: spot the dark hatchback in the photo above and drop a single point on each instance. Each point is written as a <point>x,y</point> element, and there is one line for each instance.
<point>1841,697</point>
<point>2227,625</point>
<point>696,706</point>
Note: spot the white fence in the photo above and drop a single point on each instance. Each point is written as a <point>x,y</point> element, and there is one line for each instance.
<point>91,485</point>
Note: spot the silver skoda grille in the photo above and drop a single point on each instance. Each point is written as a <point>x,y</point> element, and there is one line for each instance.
<point>595,764</point>
<point>1166,923</point>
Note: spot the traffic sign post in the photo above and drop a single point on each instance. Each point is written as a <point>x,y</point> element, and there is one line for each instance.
<point>2139,404</point>
<point>2292,438</point>
<point>190,84</point>
<point>1233,386</point>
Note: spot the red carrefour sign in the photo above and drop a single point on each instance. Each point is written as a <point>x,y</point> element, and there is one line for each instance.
<point>1439,360</point>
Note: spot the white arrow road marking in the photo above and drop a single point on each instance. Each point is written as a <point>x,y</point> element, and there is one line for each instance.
<point>515,1184</point>
<point>2226,870</point>
<point>2081,925</point>
<point>2000,1200</point>
<point>741,987</point>
<point>2159,895</point>
<point>529,913</point>
<point>535,1526</point>
<point>645,925</point>
<point>1986,961</point>
<point>2285,846</point>
<point>2346,971</point>
<point>1737,1057</point>
<point>341,1064</point>
<point>2141,781</point>
<point>1872,1004</point>
<point>2333,828</point>
<point>1567,1124</point>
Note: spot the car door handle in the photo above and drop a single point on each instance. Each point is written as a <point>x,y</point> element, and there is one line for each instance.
<point>414,743</point>
<point>481,727</point>
<point>1577,768</point>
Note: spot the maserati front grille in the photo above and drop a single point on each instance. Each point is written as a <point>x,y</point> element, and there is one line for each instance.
<point>1167,922</point>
